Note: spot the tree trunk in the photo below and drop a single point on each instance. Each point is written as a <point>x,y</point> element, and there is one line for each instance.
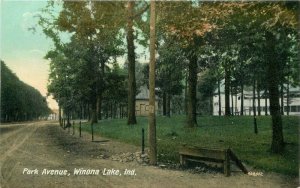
<point>111,110</point>
<point>120,110</point>
<point>94,96</point>
<point>258,101</point>
<point>164,103</point>
<point>107,110</point>
<point>211,104</point>
<point>185,93</point>
<point>192,88</point>
<point>68,120</point>
<point>81,111</point>
<point>273,68</point>
<point>152,120</point>
<point>115,109</point>
<point>89,112</point>
<point>281,99</point>
<point>266,102</point>
<point>253,96</point>
<point>84,111</point>
<point>235,106</point>
<point>254,106</point>
<point>231,95</point>
<point>100,107</point>
<point>168,105</point>
<point>288,98</point>
<point>227,91</point>
<point>219,95</point>
<point>100,97</point>
<point>131,65</point>
<point>242,99</point>
<point>59,115</point>
<point>94,118</point>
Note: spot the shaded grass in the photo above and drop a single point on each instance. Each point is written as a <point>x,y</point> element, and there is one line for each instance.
<point>236,133</point>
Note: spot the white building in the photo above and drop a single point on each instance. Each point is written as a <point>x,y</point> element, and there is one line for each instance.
<point>294,102</point>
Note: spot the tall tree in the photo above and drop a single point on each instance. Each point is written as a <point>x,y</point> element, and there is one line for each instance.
<point>264,16</point>
<point>93,42</point>
<point>273,82</point>
<point>169,77</point>
<point>192,90</point>
<point>131,64</point>
<point>188,22</point>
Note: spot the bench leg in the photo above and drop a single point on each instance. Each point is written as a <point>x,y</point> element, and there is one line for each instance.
<point>182,160</point>
<point>227,164</point>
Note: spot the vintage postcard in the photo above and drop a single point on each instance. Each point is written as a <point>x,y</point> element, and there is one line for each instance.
<point>149,94</point>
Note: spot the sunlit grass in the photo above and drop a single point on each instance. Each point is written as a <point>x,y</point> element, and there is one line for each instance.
<point>236,133</point>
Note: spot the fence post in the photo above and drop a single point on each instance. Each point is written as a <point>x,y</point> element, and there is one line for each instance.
<point>227,163</point>
<point>143,141</point>
<point>255,125</point>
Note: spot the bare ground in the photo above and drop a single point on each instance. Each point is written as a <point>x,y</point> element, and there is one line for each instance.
<point>44,145</point>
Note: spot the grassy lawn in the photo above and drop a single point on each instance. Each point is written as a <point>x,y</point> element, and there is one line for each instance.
<point>220,132</point>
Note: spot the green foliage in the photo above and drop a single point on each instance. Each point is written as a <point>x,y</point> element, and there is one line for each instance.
<point>116,86</point>
<point>207,83</point>
<point>218,132</point>
<point>96,40</point>
<point>170,68</point>
<point>19,101</point>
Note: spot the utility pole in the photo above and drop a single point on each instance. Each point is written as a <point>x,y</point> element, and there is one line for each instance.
<point>152,120</point>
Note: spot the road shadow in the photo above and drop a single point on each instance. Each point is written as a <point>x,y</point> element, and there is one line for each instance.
<point>100,141</point>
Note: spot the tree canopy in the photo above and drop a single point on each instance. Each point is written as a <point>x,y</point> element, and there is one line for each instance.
<point>246,44</point>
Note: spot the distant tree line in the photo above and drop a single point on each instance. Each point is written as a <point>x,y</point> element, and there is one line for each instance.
<point>20,101</point>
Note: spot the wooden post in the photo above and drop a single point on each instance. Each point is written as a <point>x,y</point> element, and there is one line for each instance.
<point>227,163</point>
<point>237,161</point>
<point>79,128</point>
<point>182,161</point>
<point>255,125</point>
<point>143,141</point>
<point>151,117</point>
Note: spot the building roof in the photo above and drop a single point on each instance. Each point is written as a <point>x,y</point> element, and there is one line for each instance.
<point>248,93</point>
<point>143,94</point>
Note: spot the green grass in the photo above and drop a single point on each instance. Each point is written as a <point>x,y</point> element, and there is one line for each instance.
<point>214,132</point>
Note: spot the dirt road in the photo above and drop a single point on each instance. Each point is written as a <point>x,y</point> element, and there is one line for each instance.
<point>30,151</point>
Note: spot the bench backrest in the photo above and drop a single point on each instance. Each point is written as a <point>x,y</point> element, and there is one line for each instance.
<point>218,154</point>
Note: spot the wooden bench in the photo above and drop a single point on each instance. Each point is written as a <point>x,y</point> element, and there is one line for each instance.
<point>197,154</point>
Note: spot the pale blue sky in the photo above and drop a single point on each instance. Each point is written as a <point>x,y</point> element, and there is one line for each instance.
<point>21,49</point>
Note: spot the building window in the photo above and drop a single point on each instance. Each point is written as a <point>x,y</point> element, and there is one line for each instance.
<point>286,108</point>
<point>293,108</point>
